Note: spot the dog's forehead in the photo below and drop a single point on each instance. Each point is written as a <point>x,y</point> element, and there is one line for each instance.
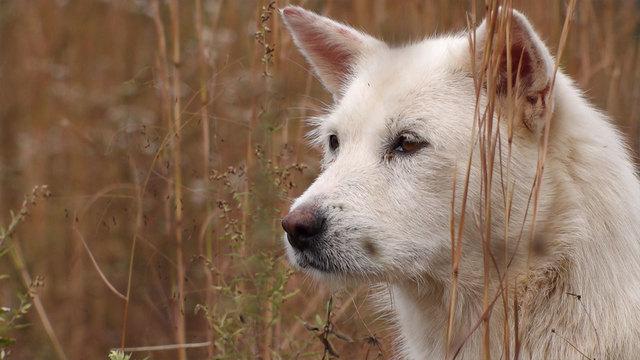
<point>402,82</point>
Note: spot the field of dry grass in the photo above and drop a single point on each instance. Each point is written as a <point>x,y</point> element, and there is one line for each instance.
<point>170,135</point>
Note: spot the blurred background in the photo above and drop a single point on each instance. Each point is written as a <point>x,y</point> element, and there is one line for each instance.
<point>171,137</point>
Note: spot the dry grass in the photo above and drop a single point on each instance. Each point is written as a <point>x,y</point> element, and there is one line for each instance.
<point>170,134</point>
<point>486,139</point>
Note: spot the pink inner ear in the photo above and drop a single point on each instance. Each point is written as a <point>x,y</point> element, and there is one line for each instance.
<point>330,56</point>
<point>292,11</point>
<point>520,63</point>
<point>327,45</point>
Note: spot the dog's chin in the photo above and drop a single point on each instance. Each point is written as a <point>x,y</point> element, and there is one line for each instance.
<point>335,279</point>
<point>327,270</point>
<point>311,264</point>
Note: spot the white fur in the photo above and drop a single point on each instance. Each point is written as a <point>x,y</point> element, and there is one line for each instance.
<point>388,215</point>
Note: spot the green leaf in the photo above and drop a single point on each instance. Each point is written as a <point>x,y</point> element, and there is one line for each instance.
<point>119,355</point>
<point>6,342</point>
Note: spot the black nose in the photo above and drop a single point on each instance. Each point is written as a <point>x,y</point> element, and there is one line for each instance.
<point>302,225</point>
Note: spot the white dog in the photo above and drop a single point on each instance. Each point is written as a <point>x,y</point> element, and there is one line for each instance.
<point>400,130</point>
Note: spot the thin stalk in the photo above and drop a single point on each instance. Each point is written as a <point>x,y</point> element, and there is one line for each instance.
<point>177,177</point>
<point>457,242</point>
<point>19,263</point>
<point>137,224</point>
<point>507,194</point>
<point>248,171</point>
<point>487,152</point>
<point>542,151</point>
<point>167,347</point>
<point>206,148</point>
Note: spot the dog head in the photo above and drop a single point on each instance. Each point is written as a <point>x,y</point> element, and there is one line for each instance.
<point>397,135</point>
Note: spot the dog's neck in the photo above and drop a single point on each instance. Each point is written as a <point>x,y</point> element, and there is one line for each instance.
<point>422,314</point>
<point>555,300</point>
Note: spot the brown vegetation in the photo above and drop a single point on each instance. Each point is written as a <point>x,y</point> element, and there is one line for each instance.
<point>170,134</point>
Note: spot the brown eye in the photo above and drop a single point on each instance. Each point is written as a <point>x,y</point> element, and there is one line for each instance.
<point>404,145</point>
<point>333,142</point>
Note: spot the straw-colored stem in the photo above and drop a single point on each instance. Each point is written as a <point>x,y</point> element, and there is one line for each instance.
<point>19,264</point>
<point>179,312</point>
<point>207,237</point>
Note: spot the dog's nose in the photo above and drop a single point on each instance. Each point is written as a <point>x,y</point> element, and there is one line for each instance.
<point>302,225</point>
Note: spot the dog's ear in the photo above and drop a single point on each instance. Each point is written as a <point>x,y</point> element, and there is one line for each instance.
<point>531,69</point>
<point>332,49</point>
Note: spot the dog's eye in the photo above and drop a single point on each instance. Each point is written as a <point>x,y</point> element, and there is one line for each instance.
<point>405,145</point>
<point>333,142</point>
